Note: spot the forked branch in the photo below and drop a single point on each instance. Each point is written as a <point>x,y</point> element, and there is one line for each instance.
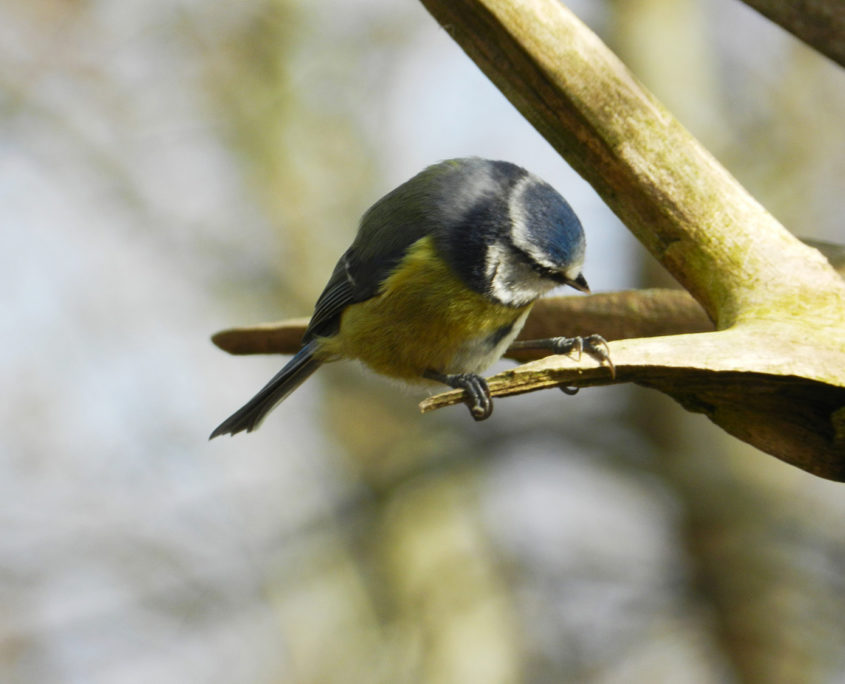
<point>773,372</point>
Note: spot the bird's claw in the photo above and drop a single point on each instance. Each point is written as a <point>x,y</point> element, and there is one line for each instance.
<point>594,345</point>
<point>478,397</point>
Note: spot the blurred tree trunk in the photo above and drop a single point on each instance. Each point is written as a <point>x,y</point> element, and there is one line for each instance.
<point>415,594</point>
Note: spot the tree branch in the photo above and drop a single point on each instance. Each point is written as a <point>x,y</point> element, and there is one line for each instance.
<point>819,23</point>
<point>798,419</point>
<point>773,371</point>
<point>778,306</point>
<point>615,315</point>
<point>688,211</point>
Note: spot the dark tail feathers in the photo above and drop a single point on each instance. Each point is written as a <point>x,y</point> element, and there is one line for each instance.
<point>250,415</point>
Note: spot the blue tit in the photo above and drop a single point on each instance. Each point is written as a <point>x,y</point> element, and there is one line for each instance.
<point>438,282</point>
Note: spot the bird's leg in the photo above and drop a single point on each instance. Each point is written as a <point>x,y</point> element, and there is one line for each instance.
<point>478,394</point>
<point>594,345</point>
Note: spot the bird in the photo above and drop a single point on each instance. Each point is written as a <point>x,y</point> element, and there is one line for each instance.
<point>439,281</point>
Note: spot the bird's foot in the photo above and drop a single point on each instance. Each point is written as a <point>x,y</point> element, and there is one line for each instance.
<point>478,399</point>
<point>594,345</point>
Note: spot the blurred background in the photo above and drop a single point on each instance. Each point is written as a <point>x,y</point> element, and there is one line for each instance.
<point>169,168</point>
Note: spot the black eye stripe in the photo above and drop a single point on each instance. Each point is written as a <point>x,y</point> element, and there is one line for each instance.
<point>539,269</point>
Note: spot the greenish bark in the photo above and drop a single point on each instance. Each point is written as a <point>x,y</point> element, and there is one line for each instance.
<point>819,23</point>
<point>773,372</point>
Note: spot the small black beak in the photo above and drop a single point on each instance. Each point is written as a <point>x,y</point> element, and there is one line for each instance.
<point>580,283</point>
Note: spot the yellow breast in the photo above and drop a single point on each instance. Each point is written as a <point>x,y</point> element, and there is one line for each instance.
<point>425,318</point>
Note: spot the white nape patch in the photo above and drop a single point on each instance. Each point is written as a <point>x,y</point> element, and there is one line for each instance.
<point>466,191</point>
<point>512,281</point>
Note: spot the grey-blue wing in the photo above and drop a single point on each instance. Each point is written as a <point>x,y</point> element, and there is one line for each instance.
<point>359,274</point>
<point>339,293</point>
<point>394,223</point>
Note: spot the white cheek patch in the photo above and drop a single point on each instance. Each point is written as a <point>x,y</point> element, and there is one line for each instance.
<point>512,281</point>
